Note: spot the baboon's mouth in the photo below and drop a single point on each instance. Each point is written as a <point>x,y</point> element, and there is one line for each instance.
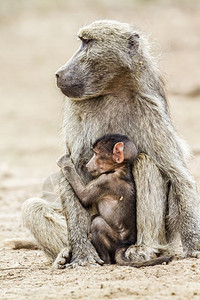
<point>72,91</point>
<point>94,173</point>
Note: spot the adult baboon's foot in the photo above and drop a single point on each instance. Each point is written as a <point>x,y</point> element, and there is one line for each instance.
<point>63,258</point>
<point>140,253</point>
<point>87,257</point>
<point>192,253</point>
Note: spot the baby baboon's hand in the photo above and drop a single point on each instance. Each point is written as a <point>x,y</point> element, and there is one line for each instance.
<point>65,161</point>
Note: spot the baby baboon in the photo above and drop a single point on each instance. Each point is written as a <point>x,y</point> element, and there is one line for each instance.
<point>112,190</point>
<point>113,85</point>
<point>113,230</point>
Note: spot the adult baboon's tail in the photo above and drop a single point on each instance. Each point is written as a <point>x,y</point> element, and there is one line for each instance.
<point>16,244</point>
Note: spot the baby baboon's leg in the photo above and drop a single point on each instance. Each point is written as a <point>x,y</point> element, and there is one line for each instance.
<point>151,209</point>
<point>105,239</point>
<point>79,221</point>
<point>47,225</point>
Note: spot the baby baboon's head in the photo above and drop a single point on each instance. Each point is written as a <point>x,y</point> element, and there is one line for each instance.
<point>108,51</point>
<point>110,153</point>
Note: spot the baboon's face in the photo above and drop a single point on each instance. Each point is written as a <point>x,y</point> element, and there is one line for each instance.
<point>100,64</point>
<point>101,162</point>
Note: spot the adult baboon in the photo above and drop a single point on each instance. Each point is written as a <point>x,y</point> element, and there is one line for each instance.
<point>114,86</point>
<point>113,228</point>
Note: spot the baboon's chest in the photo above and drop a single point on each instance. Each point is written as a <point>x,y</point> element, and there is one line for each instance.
<point>85,123</point>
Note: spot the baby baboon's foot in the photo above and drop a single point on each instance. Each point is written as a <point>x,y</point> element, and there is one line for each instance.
<point>65,161</point>
<point>140,253</point>
<point>62,259</point>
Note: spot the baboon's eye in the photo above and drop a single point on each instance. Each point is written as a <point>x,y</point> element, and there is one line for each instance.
<point>85,42</point>
<point>133,43</point>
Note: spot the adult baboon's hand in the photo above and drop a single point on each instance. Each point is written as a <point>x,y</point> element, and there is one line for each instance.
<point>65,161</point>
<point>86,257</point>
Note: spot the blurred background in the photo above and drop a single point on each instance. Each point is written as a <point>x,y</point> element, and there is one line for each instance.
<point>36,38</point>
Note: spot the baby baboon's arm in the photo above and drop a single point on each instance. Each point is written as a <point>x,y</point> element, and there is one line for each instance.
<point>87,194</point>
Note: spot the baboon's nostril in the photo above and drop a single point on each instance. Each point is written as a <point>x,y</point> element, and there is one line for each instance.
<point>57,75</point>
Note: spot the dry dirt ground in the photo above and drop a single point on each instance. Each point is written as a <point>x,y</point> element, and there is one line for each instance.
<point>37,37</point>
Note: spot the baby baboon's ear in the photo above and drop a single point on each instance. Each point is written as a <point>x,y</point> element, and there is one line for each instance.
<point>133,43</point>
<point>118,152</point>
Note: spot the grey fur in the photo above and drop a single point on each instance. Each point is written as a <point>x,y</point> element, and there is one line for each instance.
<point>47,225</point>
<point>114,86</point>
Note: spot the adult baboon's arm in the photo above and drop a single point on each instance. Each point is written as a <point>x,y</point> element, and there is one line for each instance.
<point>78,220</point>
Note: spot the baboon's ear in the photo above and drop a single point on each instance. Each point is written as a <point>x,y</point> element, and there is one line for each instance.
<point>133,43</point>
<point>118,152</point>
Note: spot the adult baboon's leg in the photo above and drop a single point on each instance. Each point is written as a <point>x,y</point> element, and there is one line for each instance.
<point>173,225</point>
<point>79,221</point>
<point>186,196</point>
<point>151,210</point>
<point>47,225</point>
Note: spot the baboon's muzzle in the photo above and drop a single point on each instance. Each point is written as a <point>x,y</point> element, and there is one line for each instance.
<point>69,80</point>
<point>67,86</point>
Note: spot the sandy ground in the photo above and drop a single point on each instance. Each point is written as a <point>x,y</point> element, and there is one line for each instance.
<point>37,37</point>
